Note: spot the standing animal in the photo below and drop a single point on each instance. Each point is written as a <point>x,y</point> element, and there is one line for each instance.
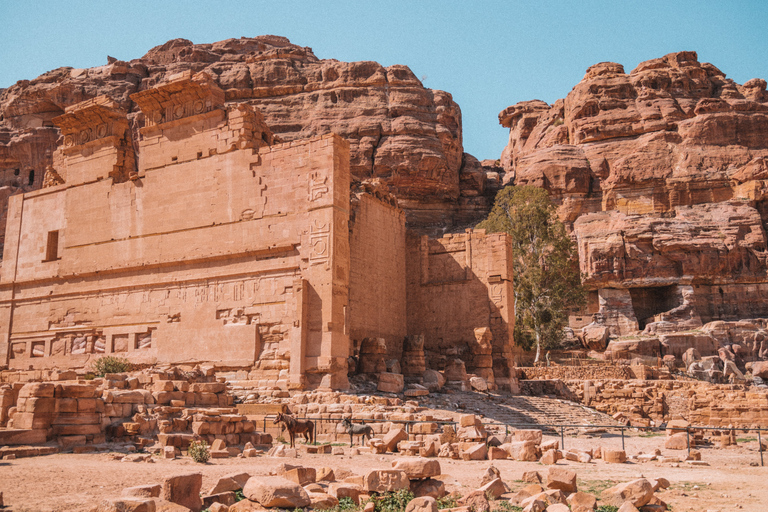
<point>294,426</point>
<point>357,430</point>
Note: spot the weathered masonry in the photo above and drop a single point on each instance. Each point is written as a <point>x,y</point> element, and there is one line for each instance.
<point>200,239</point>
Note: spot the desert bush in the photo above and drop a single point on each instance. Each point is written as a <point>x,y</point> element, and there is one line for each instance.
<point>504,506</point>
<point>111,364</point>
<point>394,501</point>
<point>199,452</point>
<point>447,502</point>
<point>346,504</point>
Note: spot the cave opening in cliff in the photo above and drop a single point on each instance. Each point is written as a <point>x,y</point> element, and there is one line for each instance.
<point>651,301</point>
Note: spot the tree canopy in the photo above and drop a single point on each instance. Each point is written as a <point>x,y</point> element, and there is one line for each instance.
<point>546,270</point>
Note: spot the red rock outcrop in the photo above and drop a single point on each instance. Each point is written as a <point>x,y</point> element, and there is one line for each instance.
<point>399,131</point>
<point>661,174</point>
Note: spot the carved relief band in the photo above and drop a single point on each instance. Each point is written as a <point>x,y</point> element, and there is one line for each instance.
<point>319,242</point>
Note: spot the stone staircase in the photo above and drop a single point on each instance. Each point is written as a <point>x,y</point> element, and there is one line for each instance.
<point>520,411</point>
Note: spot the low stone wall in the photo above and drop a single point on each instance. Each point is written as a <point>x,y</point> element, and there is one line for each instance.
<point>23,376</point>
<point>647,402</point>
<point>79,412</point>
<point>590,372</point>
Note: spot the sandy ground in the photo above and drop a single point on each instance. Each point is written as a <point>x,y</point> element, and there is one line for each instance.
<point>68,482</point>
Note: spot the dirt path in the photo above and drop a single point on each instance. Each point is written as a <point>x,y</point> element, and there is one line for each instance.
<point>67,482</point>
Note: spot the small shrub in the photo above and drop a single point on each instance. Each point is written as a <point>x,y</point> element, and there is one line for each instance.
<point>607,508</point>
<point>199,452</point>
<point>346,504</point>
<point>446,502</point>
<point>111,364</point>
<point>239,496</point>
<point>505,506</point>
<point>558,121</point>
<point>394,501</point>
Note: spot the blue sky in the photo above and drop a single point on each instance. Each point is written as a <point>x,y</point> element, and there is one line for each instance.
<point>488,54</point>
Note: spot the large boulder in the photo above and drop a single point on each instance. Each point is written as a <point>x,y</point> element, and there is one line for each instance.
<point>433,380</point>
<point>391,382</point>
<point>550,457</point>
<point>428,487</point>
<point>582,502</point>
<point>232,482</point>
<point>595,336</point>
<point>345,490</point>
<point>393,437</point>
<point>534,435</point>
<point>760,369</point>
<point>676,442</point>
<point>494,488</point>
<point>417,468</point>
<point>276,491</point>
<point>184,490</point>
<point>422,504</point>
<point>614,456</point>
<point>301,475</point>
<point>561,479</point>
<point>322,501</point>
<point>639,492</point>
<point>477,451</point>
<point>384,480</point>
<point>476,501</point>
<point>522,450</point>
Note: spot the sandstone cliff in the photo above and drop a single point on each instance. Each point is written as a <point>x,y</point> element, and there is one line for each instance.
<point>401,132</point>
<point>661,174</point>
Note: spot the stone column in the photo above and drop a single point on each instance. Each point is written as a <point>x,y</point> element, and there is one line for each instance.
<point>413,360</point>
<point>483,355</point>
<point>372,355</point>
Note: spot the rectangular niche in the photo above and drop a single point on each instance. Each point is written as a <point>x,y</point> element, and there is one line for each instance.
<point>144,340</point>
<point>120,343</point>
<point>18,350</point>
<point>38,349</point>
<point>58,347</point>
<point>79,344</point>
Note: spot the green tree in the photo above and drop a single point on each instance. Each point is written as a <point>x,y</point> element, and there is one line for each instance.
<point>546,266</point>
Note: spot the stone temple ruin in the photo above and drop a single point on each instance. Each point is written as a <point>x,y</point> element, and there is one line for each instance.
<point>202,239</point>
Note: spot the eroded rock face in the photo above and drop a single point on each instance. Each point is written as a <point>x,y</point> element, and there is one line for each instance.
<point>660,174</point>
<point>399,131</point>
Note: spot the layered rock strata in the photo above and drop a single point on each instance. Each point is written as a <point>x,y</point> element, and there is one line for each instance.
<point>399,131</point>
<point>660,174</point>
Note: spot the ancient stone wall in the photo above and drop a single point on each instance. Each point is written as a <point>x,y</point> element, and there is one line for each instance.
<point>586,372</point>
<point>700,403</point>
<point>23,159</point>
<point>456,284</point>
<point>377,304</point>
<point>196,238</point>
<point>399,131</point>
<point>217,248</point>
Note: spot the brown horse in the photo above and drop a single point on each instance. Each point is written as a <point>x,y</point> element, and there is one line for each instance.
<point>294,426</point>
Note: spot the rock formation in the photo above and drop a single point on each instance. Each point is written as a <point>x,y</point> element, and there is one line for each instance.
<point>399,131</point>
<point>661,174</point>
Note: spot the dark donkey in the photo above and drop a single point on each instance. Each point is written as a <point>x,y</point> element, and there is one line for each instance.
<point>294,426</point>
<point>357,430</point>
